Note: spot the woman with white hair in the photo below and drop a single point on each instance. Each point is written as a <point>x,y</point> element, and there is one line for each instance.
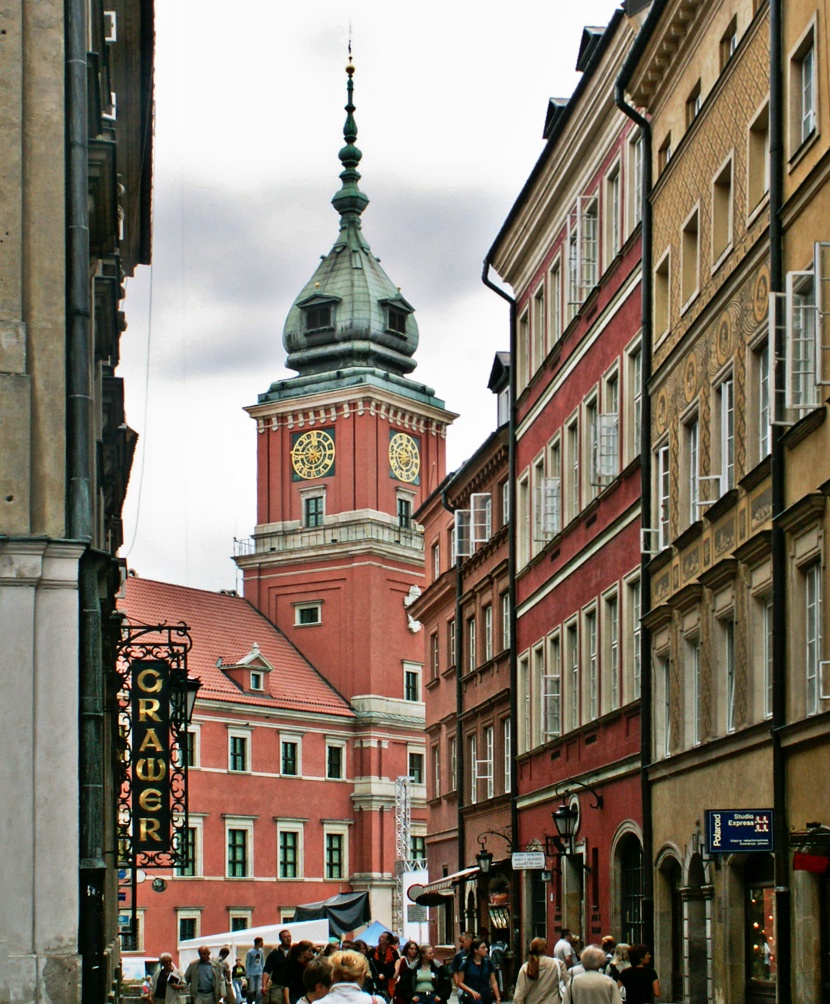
<point>592,986</point>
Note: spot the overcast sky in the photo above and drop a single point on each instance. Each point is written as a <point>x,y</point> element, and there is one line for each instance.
<point>451,101</point>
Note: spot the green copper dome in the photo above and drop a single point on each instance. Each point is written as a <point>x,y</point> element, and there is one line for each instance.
<point>350,313</point>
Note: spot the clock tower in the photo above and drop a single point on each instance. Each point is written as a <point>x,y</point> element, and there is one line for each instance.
<point>347,450</point>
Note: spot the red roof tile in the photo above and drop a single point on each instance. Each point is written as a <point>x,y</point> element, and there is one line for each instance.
<point>226,627</point>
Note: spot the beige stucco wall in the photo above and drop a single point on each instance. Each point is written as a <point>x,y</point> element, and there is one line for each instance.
<point>32,321</point>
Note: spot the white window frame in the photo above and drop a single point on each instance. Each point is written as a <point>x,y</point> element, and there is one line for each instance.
<point>417,669</point>
<point>297,827</point>
<point>308,605</point>
<point>339,744</point>
<point>331,828</point>
<point>590,635</point>
<point>555,300</point>
<point>416,751</point>
<point>487,615</point>
<point>507,753</point>
<point>292,737</point>
<point>804,91</point>
<point>195,823</point>
<point>723,211</point>
<point>613,212</point>
<point>505,621</point>
<point>636,149</point>
<point>472,650</point>
<point>186,913</point>
<point>539,325</point>
<point>633,607</point>
<point>244,734</point>
<point>662,482</point>
<point>472,751</point>
<point>246,824</point>
<point>611,636</point>
<point>481,518</point>
<point>551,724</point>
<point>489,761</point>
<point>633,398</point>
<point>235,914</point>
<point>572,656</point>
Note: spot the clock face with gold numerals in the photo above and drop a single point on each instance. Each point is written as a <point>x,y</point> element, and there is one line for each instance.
<point>404,457</point>
<point>312,455</point>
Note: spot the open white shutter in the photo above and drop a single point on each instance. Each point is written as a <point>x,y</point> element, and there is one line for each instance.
<point>462,538</point>
<point>608,446</point>
<point>481,508</point>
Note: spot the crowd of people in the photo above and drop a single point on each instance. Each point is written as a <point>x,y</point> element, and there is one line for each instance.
<point>352,972</point>
<point>605,973</point>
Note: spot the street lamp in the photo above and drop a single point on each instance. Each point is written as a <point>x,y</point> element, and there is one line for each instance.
<point>484,858</point>
<point>183,693</point>
<point>565,819</point>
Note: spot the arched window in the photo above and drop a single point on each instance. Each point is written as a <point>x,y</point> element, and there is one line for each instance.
<point>631,889</point>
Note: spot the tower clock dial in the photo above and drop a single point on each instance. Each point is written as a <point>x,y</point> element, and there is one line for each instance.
<point>404,457</point>
<point>312,455</point>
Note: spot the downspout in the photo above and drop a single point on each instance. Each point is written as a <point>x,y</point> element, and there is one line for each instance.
<point>459,708</point>
<point>645,502</point>
<point>79,477</point>
<point>783,903</point>
<point>515,892</point>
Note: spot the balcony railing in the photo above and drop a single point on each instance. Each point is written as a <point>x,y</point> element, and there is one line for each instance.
<point>327,536</point>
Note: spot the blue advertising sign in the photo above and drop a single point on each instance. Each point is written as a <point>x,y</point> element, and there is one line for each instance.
<point>731,831</point>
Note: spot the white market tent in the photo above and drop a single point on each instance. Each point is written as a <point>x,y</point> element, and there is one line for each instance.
<point>240,941</point>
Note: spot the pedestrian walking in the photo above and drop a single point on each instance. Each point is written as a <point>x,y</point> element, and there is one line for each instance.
<point>205,979</point>
<point>166,985</point>
<point>476,979</point>
<point>542,978</point>
<point>254,964</point>
<point>426,982</point>
<point>640,980</point>
<point>592,986</point>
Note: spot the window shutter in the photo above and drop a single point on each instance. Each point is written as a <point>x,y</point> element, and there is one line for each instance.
<point>800,343</point>
<point>462,541</point>
<point>607,463</point>
<point>481,507</point>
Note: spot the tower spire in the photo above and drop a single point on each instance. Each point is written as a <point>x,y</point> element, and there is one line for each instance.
<point>350,201</point>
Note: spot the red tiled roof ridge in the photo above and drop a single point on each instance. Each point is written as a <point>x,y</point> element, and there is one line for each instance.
<point>222,629</point>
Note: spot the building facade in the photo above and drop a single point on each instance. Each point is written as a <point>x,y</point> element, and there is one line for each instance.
<point>466,616</point>
<point>737,103</point>
<point>271,765</point>
<point>570,251</point>
<point>75,157</point>
<point>347,450</point>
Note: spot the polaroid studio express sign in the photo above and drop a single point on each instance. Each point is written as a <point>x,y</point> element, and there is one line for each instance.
<point>736,831</point>
<point>151,815</point>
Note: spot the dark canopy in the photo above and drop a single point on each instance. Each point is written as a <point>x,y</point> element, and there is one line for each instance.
<point>344,912</point>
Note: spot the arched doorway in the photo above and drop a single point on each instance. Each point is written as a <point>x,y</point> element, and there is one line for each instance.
<point>697,934</point>
<point>630,858</point>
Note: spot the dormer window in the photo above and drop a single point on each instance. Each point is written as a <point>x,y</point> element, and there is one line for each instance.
<point>397,311</point>
<point>318,317</point>
<point>256,681</point>
<point>396,321</point>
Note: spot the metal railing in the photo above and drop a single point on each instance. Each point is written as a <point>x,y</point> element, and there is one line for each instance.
<point>328,535</point>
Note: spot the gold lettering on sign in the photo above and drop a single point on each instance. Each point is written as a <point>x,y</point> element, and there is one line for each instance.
<point>151,742</point>
<point>148,707</point>
<point>150,769</point>
<point>149,680</point>
<point>148,829</point>
<point>150,800</point>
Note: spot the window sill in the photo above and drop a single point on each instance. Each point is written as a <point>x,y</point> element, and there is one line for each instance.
<point>721,258</point>
<point>691,533</point>
<point>801,150</point>
<point>755,212</point>
<point>758,473</point>
<point>804,426</point>
<point>690,300</point>
<point>727,501</point>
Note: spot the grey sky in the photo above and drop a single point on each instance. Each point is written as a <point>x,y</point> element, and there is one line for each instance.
<point>451,100</point>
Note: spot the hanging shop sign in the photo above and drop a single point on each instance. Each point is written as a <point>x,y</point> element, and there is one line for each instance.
<point>732,831</point>
<point>151,768</point>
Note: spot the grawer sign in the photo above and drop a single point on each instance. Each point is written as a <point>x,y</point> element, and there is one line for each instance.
<point>731,831</point>
<point>151,788</point>
<point>154,697</point>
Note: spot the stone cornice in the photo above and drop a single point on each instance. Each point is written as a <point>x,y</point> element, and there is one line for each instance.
<point>335,405</point>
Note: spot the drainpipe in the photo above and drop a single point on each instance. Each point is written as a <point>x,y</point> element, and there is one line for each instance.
<point>645,498</point>
<point>515,892</point>
<point>459,704</point>
<point>783,903</point>
<point>79,477</point>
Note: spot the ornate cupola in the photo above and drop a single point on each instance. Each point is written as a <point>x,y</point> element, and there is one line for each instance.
<point>350,315</point>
